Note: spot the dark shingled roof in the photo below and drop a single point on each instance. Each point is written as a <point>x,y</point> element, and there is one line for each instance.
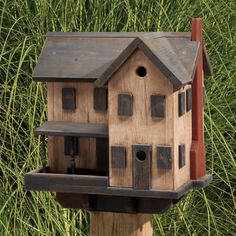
<point>96,57</point>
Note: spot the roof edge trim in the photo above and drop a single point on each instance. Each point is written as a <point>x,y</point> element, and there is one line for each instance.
<point>207,67</point>
<point>195,62</point>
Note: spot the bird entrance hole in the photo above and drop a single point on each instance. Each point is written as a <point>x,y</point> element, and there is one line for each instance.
<point>141,71</point>
<point>141,155</point>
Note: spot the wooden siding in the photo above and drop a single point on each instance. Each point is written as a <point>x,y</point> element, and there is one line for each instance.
<point>182,135</point>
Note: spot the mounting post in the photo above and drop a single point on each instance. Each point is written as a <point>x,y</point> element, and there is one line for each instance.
<point>120,224</point>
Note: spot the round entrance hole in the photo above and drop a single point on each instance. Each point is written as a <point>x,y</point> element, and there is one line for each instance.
<point>141,71</point>
<point>141,155</point>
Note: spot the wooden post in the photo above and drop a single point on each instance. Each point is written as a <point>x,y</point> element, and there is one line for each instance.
<point>197,153</point>
<point>120,224</point>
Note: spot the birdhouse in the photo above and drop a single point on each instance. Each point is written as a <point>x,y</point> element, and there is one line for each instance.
<point>125,129</point>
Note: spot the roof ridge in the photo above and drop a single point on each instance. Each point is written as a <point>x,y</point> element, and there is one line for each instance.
<point>118,34</point>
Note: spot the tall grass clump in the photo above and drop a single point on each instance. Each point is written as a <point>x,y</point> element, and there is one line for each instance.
<point>23,25</point>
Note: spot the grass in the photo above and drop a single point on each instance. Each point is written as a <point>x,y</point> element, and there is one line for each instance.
<point>23,24</point>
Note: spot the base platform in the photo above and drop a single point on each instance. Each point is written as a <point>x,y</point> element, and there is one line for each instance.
<point>90,190</point>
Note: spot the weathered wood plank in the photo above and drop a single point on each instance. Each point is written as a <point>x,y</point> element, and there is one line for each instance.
<point>65,128</point>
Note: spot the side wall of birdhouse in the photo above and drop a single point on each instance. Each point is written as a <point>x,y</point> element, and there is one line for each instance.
<point>134,120</point>
<point>83,112</point>
<point>182,135</point>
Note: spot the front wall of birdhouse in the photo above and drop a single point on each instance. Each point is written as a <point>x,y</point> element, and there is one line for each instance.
<point>141,118</point>
<point>82,112</point>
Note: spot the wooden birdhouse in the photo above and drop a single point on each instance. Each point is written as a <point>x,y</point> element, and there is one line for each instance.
<point>125,127</point>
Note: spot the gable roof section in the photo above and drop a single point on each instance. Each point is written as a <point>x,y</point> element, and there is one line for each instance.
<point>168,59</point>
<point>74,58</point>
<point>95,57</point>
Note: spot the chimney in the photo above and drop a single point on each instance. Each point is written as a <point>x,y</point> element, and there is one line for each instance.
<point>197,152</point>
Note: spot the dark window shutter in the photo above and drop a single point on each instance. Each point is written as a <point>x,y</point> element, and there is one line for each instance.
<point>125,104</point>
<point>158,105</point>
<point>181,155</point>
<point>68,98</point>
<point>188,99</point>
<point>181,103</point>
<point>100,99</point>
<point>164,157</point>
<point>118,157</point>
